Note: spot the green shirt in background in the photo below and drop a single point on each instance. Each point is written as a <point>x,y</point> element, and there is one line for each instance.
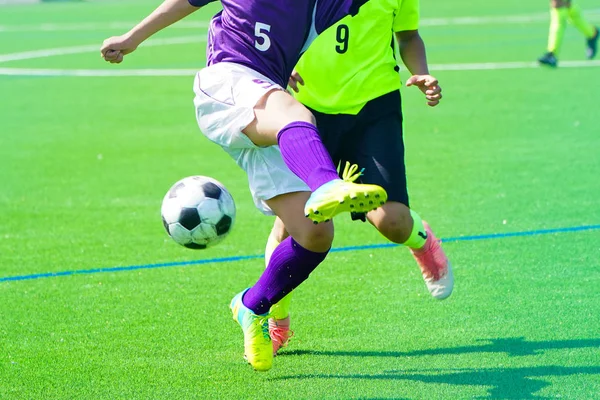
<point>353,62</point>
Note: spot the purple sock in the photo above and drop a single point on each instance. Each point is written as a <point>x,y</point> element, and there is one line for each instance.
<point>305,154</point>
<point>289,266</point>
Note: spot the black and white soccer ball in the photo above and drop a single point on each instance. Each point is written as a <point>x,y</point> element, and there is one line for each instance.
<point>198,212</point>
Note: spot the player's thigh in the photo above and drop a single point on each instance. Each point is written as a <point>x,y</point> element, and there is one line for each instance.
<point>289,208</point>
<point>226,95</point>
<point>275,110</point>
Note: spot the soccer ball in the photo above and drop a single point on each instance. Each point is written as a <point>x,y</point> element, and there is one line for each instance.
<point>198,212</point>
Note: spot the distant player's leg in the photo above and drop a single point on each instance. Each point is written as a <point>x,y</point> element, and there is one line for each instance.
<point>280,119</point>
<point>279,323</point>
<point>588,30</point>
<point>381,150</point>
<point>559,13</point>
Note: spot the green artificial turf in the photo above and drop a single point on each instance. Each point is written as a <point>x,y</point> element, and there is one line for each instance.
<point>85,162</point>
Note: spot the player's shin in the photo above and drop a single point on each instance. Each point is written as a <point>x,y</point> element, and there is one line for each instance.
<point>289,266</point>
<point>587,29</point>
<point>558,23</point>
<point>281,309</point>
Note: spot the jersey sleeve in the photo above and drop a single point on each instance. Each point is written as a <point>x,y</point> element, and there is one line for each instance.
<point>200,3</point>
<point>407,16</point>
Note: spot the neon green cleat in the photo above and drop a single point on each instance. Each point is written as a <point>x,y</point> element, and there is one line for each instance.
<point>258,349</point>
<point>343,195</point>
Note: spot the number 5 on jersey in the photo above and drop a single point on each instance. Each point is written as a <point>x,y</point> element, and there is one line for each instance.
<point>262,41</point>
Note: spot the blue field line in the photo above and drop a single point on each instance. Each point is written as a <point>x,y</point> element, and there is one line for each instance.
<point>336,249</point>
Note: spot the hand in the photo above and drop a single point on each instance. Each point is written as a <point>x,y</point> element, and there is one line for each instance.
<point>429,86</point>
<point>294,80</point>
<point>115,48</point>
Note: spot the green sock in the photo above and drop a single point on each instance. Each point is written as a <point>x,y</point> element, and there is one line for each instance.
<point>281,309</point>
<point>584,26</point>
<point>558,23</point>
<point>418,236</point>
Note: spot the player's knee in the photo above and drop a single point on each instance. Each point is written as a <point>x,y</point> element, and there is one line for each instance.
<point>278,231</point>
<point>299,113</point>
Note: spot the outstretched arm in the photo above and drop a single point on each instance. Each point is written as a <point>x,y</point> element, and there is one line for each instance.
<point>412,51</point>
<point>170,11</point>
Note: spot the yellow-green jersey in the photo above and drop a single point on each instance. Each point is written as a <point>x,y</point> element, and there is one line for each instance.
<point>353,61</point>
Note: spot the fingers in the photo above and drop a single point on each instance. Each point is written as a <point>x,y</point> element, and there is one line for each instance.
<point>412,80</point>
<point>429,86</point>
<point>293,84</point>
<point>422,80</point>
<point>433,94</point>
<point>294,80</point>
<point>297,77</point>
<point>112,56</point>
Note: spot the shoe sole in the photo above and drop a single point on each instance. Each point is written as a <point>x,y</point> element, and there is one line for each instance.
<point>358,201</point>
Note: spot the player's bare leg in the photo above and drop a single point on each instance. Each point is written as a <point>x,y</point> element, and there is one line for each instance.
<point>281,119</point>
<point>401,225</point>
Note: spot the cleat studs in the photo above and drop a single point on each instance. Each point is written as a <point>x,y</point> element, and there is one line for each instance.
<point>381,203</point>
<point>316,212</point>
<point>341,201</point>
<point>316,222</point>
<point>377,196</point>
<point>351,205</point>
<point>361,204</point>
<point>327,220</point>
<point>370,202</point>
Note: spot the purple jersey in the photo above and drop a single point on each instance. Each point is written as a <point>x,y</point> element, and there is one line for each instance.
<point>269,35</point>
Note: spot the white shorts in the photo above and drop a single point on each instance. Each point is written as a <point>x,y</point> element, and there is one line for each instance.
<point>226,94</point>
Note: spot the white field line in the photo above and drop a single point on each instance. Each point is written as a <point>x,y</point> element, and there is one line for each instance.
<point>125,25</point>
<point>61,51</point>
<point>499,20</point>
<point>190,72</point>
<point>93,26</point>
<point>510,65</point>
<point>97,72</point>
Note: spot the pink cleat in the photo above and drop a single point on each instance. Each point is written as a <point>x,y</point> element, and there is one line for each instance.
<point>435,267</point>
<point>279,330</point>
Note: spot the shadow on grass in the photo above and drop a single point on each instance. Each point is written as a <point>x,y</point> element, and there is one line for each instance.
<point>506,383</point>
<point>511,346</point>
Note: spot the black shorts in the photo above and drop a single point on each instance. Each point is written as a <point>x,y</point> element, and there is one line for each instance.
<point>373,140</point>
